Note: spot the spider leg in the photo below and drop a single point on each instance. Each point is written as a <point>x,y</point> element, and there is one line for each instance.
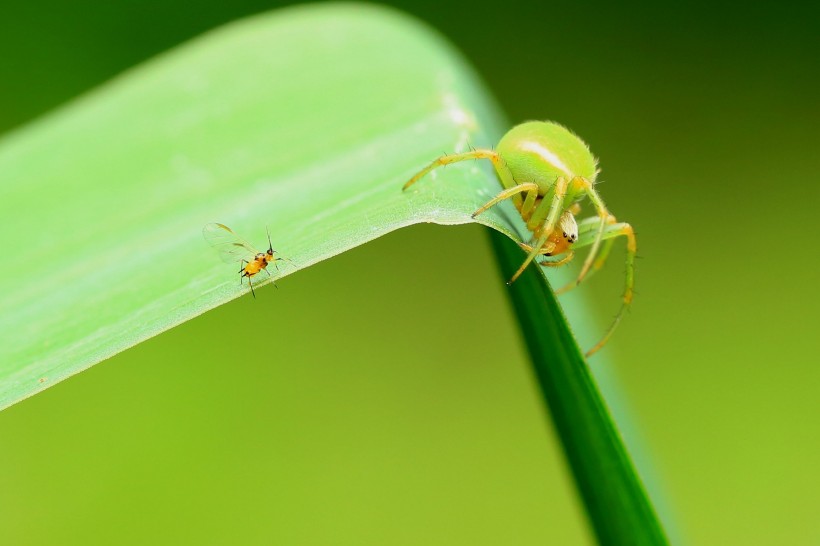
<point>558,263</point>
<point>499,165</point>
<point>599,263</point>
<point>611,232</point>
<point>525,209</point>
<point>546,250</point>
<point>547,212</point>
<point>586,231</point>
<point>604,219</point>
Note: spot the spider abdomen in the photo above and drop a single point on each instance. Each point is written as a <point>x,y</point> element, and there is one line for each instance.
<point>543,151</point>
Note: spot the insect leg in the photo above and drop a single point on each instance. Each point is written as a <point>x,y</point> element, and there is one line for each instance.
<point>291,262</point>
<point>532,194</point>
<point>271,276</point>
<point>251,285</point>
<point>548,211</point>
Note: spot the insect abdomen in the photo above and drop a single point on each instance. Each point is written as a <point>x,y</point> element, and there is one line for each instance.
<point>254,267</point>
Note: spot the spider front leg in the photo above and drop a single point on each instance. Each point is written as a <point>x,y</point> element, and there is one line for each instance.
<point>525,208</point>
<point>498,164</point>
<point>547,251</point>
<point>558,242</point>
<point>548,213</point>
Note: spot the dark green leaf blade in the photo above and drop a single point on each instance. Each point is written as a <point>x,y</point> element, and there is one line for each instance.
<point>616,502</point>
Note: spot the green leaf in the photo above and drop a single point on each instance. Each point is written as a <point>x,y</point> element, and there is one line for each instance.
<point>616,502</point>
<point>306,121</point>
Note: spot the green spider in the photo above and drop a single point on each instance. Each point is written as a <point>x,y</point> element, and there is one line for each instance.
<point>554,169</point>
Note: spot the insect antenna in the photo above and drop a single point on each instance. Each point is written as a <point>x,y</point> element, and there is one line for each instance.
<point>291,262</point>
<point>270,245</point>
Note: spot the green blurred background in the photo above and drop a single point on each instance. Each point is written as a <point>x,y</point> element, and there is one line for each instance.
<point>375,417</point>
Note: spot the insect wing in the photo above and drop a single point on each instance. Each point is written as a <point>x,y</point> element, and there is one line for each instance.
<point>231,247</point>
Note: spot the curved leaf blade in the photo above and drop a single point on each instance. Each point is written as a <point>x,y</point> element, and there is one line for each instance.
<point>616,503</point>
<point>306,121</point>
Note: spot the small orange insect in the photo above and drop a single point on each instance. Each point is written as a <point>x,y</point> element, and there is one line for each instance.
<point>232,248</point>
